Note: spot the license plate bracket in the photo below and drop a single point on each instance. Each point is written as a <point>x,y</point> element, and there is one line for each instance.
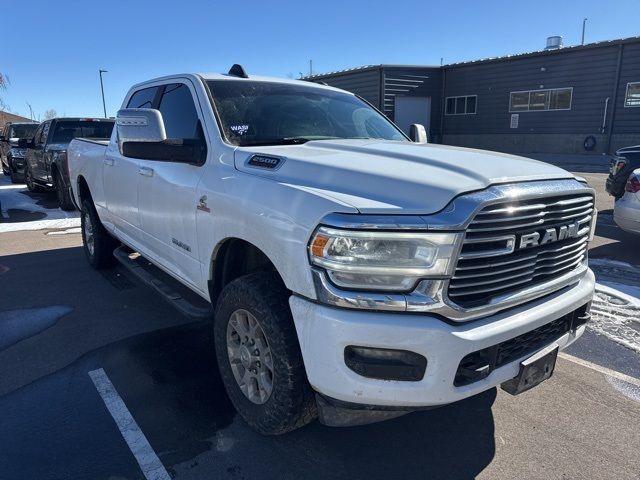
<point>533,371</point>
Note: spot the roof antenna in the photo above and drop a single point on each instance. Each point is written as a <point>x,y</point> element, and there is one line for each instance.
<point>238,71</point>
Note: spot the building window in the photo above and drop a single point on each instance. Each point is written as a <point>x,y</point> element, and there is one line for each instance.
<point>632,97</point>
<point>465,105</point>
<point>541,100</point>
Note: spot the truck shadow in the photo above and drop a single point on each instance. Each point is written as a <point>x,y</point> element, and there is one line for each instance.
<point>168,379</point>
<point>172,387</point>
<point>44,200</point>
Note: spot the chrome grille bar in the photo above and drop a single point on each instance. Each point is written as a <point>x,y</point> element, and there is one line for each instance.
<point>482,274</point>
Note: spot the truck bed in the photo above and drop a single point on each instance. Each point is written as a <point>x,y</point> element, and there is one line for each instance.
<point>99,141</point>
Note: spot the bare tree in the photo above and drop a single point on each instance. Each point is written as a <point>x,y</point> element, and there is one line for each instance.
<point>4,81</point>
<point>49,114</point>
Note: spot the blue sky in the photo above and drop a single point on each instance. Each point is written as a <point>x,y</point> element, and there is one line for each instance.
<point>61,44</point>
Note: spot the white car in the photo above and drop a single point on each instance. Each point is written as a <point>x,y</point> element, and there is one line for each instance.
<point>356,275</point>
<point>626,212</point>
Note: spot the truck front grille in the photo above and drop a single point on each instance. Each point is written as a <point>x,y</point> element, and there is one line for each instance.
<point>501,256</point>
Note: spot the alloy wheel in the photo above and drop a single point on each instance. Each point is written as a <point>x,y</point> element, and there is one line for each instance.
<point>250,356</point>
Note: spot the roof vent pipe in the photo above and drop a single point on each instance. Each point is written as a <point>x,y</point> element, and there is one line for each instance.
<point>554,42</point>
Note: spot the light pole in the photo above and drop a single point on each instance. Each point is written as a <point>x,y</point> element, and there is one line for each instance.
<point>30,110</point>
<point>104,106</point>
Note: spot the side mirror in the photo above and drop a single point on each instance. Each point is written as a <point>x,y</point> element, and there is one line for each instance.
<point>140,125</point>
<point>141,134</point>
<point>417,133</point>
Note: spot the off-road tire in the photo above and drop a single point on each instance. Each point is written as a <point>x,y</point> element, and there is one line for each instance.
<point>5,172</point>
<point>103,243</point>
<point>28,179</point>
<point>291,404</point>
<point>63,195</point>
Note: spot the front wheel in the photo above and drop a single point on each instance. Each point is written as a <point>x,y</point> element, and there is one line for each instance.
<point>98,244</point>
<point>259,356</point>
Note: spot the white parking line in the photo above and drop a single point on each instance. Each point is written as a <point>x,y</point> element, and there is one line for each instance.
<point>149,462</point>
<point>603,370</point>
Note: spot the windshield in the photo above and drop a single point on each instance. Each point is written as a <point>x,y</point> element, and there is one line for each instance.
<point>262,113</point>
<point>67,131</point>
<point>22,131</point>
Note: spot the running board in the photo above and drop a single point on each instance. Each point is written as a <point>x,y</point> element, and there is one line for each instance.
<point>161,282</point>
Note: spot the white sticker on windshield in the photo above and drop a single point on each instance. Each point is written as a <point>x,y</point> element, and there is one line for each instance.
<point>239,129</point>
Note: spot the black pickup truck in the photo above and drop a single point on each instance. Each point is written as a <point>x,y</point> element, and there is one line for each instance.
<point>626,161</point>
<point>13,157</point>
<point>47,153</point>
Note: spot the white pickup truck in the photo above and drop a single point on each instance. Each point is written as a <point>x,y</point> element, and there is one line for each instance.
<point>356,274</point>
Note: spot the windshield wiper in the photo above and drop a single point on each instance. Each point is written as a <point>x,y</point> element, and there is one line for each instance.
<point>276,141</point>
<point>286,141</point>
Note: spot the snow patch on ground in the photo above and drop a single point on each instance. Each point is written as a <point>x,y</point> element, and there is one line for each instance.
<point>627,389</point>
<point>40,225</point>
<point>616,305</point>
<point>66,232</point>
<point>20,211</point>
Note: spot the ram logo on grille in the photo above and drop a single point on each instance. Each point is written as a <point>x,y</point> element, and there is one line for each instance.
<point>549,235</point>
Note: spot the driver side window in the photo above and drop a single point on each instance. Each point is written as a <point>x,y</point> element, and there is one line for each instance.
<point>179,112</point>
<point>41,134</point>
<point>38,135</point>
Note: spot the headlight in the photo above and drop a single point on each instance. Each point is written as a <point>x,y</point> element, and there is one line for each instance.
<point>18,152</point>
<point>371,260</point>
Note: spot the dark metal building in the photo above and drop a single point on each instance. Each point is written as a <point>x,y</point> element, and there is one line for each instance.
<point>566,100</point>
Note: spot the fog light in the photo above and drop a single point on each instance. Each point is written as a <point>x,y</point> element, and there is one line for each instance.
<point>385,364</point>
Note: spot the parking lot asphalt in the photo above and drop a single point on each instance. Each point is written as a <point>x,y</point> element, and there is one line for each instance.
<point>61,320</point>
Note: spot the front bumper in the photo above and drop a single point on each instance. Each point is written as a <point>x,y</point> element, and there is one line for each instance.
<point>324,333</point>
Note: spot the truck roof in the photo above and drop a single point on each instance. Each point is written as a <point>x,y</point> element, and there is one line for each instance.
<point>226,76</point>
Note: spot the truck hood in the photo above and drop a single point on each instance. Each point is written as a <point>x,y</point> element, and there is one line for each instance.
<point>376,176</point>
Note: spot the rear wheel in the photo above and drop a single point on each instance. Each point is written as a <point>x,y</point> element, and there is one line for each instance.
<point>98,244</point>
<point>259,356</point>
<point>63,194</point>
<point>31,185</point>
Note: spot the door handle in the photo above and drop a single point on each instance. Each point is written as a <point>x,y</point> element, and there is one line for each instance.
<point>146,171</point>
<point>108,161</point>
